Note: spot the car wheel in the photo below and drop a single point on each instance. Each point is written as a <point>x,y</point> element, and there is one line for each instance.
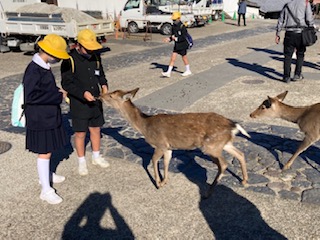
<point>166,29</point>
<point>133,27</point>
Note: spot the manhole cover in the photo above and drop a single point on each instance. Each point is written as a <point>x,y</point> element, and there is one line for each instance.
<point>4,147</point>
<point>256,81</point>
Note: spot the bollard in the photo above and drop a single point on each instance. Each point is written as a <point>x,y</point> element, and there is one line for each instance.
<point>234,16</point>
<point>252,15</point>
<point>222,17</point>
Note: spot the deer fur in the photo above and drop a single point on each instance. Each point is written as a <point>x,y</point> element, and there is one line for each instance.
<point>210,132</point>
<point>307,118</point>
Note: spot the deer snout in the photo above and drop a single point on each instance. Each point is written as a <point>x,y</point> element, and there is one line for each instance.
<point>253,115</point>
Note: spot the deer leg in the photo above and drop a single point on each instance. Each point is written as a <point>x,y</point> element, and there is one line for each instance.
<point>166,161</point>
<point>240,156</point>
<point>155,159</point>
<point>222,166</point>
<point>302,147</point>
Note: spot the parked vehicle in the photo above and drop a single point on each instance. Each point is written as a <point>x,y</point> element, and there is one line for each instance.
<point>203,10</point>
<point>21,29</point>
<point>136,15</point>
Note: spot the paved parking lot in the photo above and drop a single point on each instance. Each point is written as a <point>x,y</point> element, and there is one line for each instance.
<point>234,69</point>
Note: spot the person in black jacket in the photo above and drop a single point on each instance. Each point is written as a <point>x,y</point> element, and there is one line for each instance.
<point>83,78</point>
<point>181,45</point>
<point>42,99</point>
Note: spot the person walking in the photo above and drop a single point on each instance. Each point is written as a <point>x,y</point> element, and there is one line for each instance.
<point>179,33</point>
<point>83,78</point>
<point>301,10</point>
<point>42,99</point>
<point>242,9</point>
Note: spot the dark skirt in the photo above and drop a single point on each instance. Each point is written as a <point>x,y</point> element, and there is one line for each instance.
<point>45,141</point>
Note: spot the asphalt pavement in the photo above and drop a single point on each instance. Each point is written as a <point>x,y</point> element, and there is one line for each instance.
<point>234,70</point>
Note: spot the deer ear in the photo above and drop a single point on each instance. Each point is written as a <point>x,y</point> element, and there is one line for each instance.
<point>134,91</point>
<point>282,96</point>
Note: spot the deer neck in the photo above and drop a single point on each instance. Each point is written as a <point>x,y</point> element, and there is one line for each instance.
<point>290,113</point>
<point>134,116</point>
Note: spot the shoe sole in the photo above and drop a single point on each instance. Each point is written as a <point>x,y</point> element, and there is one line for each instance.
<point>94,163</point>
<point>53,203</point>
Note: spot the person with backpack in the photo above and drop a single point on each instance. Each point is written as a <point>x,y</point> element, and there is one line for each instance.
<point>42,98</point>
<point>294,16</point>
<point>83,78</point>
<point>181,45</point>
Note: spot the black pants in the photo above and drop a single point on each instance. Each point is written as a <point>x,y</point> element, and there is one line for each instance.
<point>292,42</point>
<point>244,18</point>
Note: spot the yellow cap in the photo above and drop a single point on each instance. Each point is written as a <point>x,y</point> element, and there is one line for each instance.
<point>175,15</point>
<point>87,38</point>
<point>54,45</point>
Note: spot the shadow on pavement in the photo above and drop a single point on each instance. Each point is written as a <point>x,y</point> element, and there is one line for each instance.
<point>254,67</point>
<point>266,50</point>
<point>274,144</point>
<point>305,63</point>
<point>163,67</point>
<point>85,223</point>
<point>229,215</point>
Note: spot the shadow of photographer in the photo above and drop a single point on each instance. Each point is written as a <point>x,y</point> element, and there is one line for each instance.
<point>85,223</point>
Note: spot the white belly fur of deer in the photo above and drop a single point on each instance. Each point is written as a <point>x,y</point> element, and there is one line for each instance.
<point>210,132</point>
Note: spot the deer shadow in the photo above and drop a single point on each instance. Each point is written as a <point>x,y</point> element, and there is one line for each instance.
<point>226,210</point>
<point>254,67</point>
<point>274,144</point>
<point>85,222</point>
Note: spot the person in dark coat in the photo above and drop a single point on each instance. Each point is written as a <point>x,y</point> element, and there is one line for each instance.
<point>42,99</point>
<point>179,33</point>
<point>83,78</point>
<point>242,10</point>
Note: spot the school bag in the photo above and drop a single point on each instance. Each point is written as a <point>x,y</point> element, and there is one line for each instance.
<point>18,118</point>
<point>189,39</point>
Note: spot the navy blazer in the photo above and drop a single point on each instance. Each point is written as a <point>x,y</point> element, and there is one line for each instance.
<point>42,99</point>
<point>87,75</point>
<point>180,31</point>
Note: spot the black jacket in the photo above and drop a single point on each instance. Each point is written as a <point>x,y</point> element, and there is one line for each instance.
<point>87,75</point>
<point>180,32</point>
<point>42,99</point>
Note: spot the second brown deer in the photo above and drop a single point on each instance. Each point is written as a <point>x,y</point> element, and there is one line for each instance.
<point>307,118</point>
<point>210,132</point>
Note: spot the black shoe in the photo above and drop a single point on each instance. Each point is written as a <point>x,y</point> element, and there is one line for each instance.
<point>297,77</point>
<point>286,79</point>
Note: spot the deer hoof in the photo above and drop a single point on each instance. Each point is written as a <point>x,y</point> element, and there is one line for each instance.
<point>244,183</point>
<point>162,183</point>
<point>285,167</point>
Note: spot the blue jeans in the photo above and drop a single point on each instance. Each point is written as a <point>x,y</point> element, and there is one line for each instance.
<point>292,42</point>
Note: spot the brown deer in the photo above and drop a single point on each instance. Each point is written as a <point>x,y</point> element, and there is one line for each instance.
<point>209,132</point>
<point>308,119</point>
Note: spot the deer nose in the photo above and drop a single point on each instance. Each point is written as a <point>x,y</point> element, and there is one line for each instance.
<point>252,115</point>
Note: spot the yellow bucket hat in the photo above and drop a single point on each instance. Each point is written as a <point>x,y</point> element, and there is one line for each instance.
<point>87,38</point>
<point>175,15</point>
<point>54,45</point>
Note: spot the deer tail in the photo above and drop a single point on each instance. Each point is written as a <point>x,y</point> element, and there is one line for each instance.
<point>241,129</point>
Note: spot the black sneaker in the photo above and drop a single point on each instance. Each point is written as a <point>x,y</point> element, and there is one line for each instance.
<point>286,79</point>
<point>297,77</point>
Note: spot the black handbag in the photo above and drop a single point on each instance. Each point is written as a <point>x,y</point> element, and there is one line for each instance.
<point>309,34</point>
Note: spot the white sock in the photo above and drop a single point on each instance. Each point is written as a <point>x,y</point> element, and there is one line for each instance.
<point>96,154</point>
<point>188,67</point>
<point>81,159</point>
<point>43,166</point>
<point>170,69</point>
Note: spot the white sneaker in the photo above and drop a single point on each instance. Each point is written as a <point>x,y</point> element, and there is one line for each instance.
<point>186,73</point>
<point>83,170</point>
<point>100,161</point>
<point>51,197</point>
<point>56,178</point>
<point>166,74</point>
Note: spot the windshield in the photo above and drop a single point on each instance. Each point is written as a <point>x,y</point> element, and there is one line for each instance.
<point>131,4</point>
